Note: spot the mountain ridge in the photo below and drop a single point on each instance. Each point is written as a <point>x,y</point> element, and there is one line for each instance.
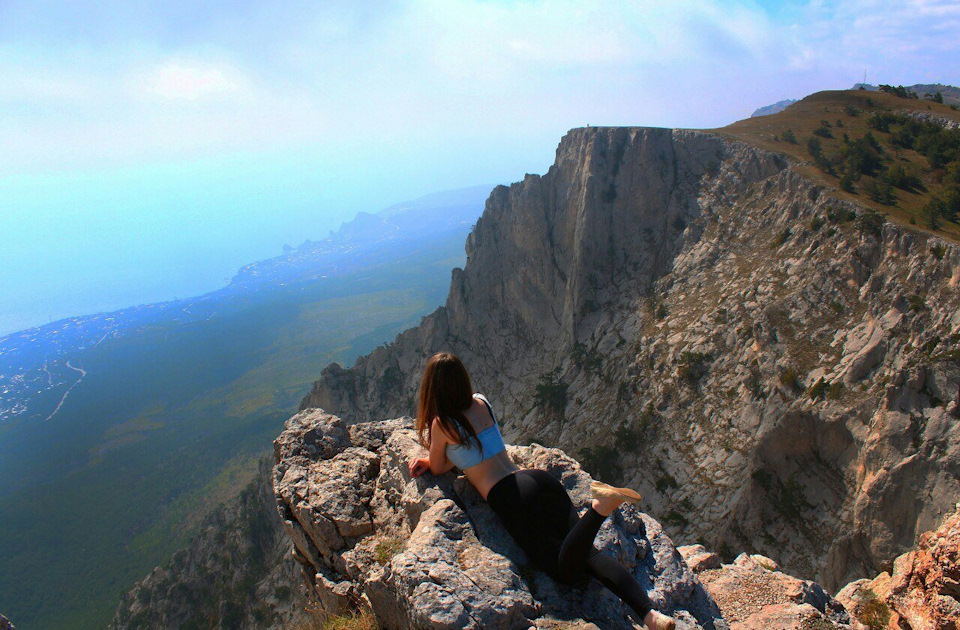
<point>950,93</point>
<point>775,108</point>
<point>773,357</point>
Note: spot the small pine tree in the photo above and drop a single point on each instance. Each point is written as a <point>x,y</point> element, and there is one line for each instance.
<point>815,147</point>
<point>880,191</point>
<point>900,177</point>
<point>870,222</point>
<point>846,182</point>
<point>951,205</point>
<point>932,212</point>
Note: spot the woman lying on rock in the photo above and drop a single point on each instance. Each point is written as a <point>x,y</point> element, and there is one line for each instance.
<point>460,430</point>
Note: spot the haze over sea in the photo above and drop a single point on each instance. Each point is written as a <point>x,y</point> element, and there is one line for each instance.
<point>82,242</point>
<point>76,243</point>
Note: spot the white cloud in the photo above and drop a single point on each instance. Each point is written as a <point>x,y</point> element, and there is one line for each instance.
<point>898,41</point>
<point>191,81</point>
<point>425,75</point>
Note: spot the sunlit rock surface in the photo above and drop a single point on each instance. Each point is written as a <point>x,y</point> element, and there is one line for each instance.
<point>428,552</point>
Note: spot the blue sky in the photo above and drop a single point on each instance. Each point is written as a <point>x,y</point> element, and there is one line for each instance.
<point>148,149</point>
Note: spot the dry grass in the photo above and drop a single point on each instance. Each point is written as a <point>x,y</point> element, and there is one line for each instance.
<point>319,619</point>
<point>359,621</point>
<point>873,613</point>
<point>387,548</point>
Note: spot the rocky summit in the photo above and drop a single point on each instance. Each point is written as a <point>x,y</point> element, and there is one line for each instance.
<point>776,370</point>
<point>428,552</point>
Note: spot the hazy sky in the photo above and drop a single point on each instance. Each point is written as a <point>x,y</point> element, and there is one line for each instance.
<point>148,149</point>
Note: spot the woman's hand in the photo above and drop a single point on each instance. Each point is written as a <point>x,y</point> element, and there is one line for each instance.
<point>418,466</point>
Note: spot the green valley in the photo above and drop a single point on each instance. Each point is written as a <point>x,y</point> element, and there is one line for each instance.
<point>171,416</point>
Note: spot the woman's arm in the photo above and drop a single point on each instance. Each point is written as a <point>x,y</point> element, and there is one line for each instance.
<point>437,463</point>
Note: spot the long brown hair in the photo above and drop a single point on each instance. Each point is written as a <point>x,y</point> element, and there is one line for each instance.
<point>445,393</point>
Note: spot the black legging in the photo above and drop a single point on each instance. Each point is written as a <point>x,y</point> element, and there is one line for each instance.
<point>538,513</point>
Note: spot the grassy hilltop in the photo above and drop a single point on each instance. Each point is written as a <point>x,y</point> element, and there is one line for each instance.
<point>871,152</point>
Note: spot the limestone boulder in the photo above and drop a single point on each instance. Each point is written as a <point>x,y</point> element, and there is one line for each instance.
<point>698,558</point>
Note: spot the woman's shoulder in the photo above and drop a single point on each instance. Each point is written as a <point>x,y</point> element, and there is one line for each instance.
<point>486,402</point>
<point>436,425</point>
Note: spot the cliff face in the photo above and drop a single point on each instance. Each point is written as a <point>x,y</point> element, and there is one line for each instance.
<point>550,257</point>
<point>782,368</point>
<point>237,572</point>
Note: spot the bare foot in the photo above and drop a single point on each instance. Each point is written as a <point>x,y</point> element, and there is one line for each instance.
<point>605,506</point>
<point>657,621</point>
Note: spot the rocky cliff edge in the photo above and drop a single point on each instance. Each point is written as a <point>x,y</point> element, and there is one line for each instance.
<point>428,552</point>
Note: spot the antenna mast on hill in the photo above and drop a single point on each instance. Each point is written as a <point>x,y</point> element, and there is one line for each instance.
<point>864,77</point>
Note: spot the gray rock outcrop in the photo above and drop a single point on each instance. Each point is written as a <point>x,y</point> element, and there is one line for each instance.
<point>776,371</point>
<point>428,552</point>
